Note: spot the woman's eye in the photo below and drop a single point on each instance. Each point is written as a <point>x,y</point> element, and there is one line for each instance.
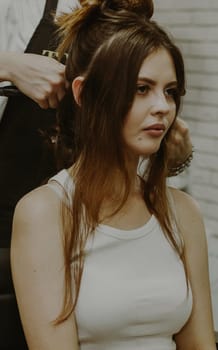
<point>142,89</point>
<point>172,92</point>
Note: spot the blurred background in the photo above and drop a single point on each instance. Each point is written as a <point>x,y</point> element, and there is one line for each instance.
<point>194,27</point>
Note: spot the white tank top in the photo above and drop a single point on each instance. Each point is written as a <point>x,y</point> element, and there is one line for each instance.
<point>133,293</point>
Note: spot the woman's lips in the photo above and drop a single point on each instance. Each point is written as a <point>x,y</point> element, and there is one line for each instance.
<point>156,130</point>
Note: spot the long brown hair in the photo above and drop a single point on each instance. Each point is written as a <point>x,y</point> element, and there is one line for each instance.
<point>106,42</point>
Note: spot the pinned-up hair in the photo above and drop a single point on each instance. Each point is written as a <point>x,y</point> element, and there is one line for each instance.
<point>107,42</point>
<point>138,6</point>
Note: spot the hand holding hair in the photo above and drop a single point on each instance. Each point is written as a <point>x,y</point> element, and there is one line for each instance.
<point>180,148</point>
<point>40,78</point>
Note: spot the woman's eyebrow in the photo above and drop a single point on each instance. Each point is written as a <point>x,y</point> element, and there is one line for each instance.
<point>173,83</point>
<point>153,82</point>
<point>147,80</point>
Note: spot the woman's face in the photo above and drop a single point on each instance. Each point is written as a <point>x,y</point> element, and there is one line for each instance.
<point>153,109</point>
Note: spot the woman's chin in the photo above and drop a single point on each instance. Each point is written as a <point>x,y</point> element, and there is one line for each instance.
<point>148,151</point>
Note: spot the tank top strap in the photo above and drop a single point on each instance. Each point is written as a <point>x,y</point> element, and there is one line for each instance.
<point>62,185</point>
<point>174,219</point>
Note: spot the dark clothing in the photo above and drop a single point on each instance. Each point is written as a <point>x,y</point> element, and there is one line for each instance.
<point>24,164</point>
<point>22,160</point>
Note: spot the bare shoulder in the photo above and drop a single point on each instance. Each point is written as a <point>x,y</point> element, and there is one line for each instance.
<point>189,216</point>
<point>38,211</point>
<point>40,200</point>
<point>37,231</point>
<point>185,204</point>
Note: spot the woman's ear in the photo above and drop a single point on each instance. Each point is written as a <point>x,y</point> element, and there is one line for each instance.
<point>76,88</point>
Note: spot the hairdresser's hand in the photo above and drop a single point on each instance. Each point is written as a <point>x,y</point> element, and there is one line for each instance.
<point>179,144</point>
<point>38,77</point>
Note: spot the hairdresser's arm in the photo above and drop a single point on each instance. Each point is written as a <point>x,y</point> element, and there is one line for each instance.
<point>40,78</point>
<point>179,144</point>
<point>198,333</point>
<point>38,271</point>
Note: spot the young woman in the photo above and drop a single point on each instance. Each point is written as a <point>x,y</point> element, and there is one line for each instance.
<point>105,256</point>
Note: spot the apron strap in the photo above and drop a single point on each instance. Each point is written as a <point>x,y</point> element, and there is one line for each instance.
<point>50,6</point>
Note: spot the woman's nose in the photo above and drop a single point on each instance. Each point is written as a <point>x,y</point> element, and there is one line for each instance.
<point>160,104</point>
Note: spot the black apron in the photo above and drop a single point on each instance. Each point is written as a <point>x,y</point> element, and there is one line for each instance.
<point>24,164</point>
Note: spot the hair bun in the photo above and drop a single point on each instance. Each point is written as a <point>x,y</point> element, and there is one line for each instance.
<point>137,6</point>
